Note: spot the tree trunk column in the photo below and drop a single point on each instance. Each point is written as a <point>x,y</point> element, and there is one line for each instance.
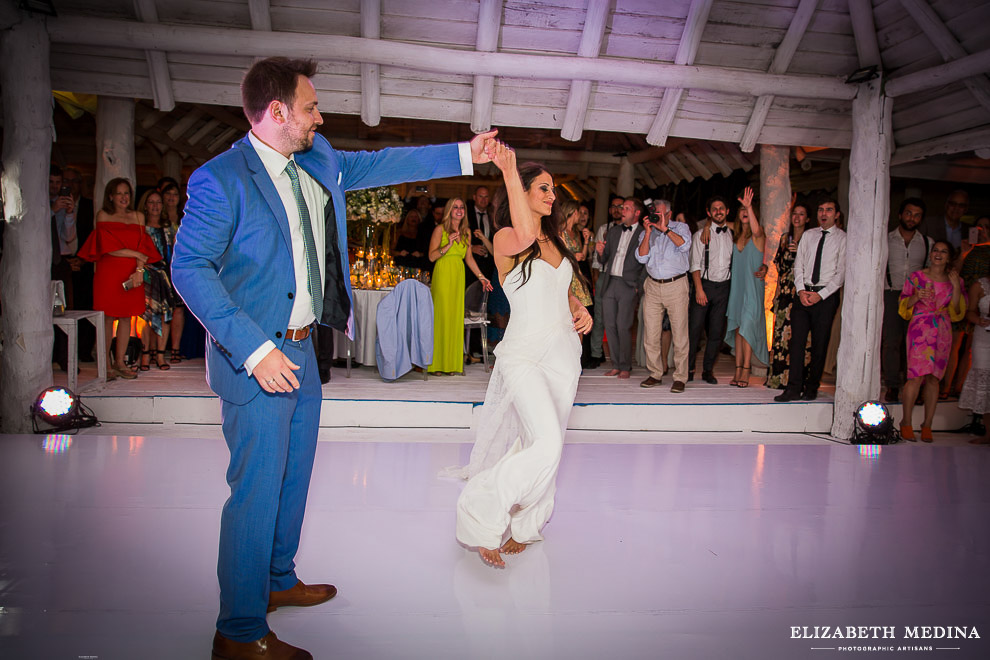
<point>172,165</point>
<point>114,144</point>
<point>858,372</point>
<point>627,182</point>
<point>602,188</point>
<point>775,202</point>
<point>25,271</point>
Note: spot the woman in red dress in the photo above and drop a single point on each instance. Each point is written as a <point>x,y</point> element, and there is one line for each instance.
<point>120,248</point>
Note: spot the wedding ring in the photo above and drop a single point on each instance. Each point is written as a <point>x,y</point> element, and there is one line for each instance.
<point>270,380</point>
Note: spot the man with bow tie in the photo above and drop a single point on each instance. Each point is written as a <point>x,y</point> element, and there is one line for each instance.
<point>480,220</point>
<point>622,279</point>
<point>711,271</point>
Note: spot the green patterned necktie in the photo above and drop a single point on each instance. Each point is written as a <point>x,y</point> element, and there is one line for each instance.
<point>312,261</point>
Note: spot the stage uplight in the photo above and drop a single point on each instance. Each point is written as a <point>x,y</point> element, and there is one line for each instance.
<point>61,410</point>
<point>874,425</point>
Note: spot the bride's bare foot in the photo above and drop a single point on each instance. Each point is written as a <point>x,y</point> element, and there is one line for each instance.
<point>512,547</point>
<point>491,557</point>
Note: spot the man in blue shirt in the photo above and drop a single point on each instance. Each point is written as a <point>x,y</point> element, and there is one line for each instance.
<point>665,250</point>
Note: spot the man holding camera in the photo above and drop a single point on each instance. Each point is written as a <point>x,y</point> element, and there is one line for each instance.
<point>665,250</point>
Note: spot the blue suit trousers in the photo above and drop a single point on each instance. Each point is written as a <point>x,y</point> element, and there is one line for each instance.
<point>272,442</point>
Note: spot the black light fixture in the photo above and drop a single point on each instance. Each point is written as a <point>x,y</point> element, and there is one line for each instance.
<point>60,410</point>
<point>864,74</point>
<point>874,425</point>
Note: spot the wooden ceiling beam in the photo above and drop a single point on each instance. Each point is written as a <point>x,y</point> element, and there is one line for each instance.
<point>732,152</point>
<point>978,138</point>
<point>715,157</point>
<point>671,174</point>
<point>221,140</point>
<point>675,162</point>
<point>180,127</point>
<point>371,88</point>
<point>781,60</point>
<point>695,162</point>
<point>865,32</point>
<point>93,31</point>
<point>217,112</point>
<point>158,74</point>
<point>579,97</point>
<point>204,130</point>
<point>937,76</point>
<point>486,41</point>
<point>654,153</point>
<point>261,15</point>
<point>947,46</point>
<point>687,49</point>
<point>163,142</point>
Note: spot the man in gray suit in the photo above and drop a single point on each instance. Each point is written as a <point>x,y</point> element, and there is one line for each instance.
<point>621,280</point>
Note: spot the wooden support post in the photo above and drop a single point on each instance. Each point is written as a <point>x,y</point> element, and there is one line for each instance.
<point>172,165</point>
<point>25,270</point>
<point>627,182</point>
<point>602,187</point>
<point>858,369</point>
<point>775,202</point>
<point>371,92</point>
<point>114,144</point>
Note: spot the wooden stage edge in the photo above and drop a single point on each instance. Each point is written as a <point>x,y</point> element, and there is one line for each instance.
<point>180,396</point>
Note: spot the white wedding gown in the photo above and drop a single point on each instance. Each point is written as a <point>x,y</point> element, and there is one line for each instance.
<point>520,430</point>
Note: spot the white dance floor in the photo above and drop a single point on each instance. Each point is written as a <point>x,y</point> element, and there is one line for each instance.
<point>703,550</point>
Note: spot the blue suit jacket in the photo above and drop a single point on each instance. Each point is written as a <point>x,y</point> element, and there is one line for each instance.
<point>233,253</point>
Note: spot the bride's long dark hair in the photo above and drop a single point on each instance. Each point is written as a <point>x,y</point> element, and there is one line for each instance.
<point>549,224</point>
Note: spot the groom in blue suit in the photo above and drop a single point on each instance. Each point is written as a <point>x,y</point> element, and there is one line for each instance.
<point>260,258</point>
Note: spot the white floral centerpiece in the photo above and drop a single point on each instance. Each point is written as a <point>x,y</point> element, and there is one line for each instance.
<point>372,214</point>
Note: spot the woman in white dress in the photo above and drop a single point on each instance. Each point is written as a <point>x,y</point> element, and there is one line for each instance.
<point>975,394</point>
<point>520,431</point>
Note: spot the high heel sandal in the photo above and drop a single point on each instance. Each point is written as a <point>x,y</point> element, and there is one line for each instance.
<point>143,366</point>
<point>744,382</point>
<point>907,433</point>
<point>736,379</point>
<point>926,434</point>
<point>176,357</point>
<point>160,361</point>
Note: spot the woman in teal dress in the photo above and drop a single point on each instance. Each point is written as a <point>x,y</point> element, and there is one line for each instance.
<point>449,252</point>
<point>747,323</point>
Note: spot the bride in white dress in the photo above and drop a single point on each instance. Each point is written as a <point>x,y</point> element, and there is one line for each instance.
<point>520,431</point>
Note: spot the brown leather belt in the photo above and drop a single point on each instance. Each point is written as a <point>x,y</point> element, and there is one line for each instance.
<point>668,279</point>
<point>298,334</point>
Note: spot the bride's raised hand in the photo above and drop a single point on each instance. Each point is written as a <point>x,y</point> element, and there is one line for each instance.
<point>504,157</point>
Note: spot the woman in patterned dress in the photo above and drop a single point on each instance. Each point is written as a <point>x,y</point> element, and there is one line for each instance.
<point>780,351</point>
<point>932,299</point>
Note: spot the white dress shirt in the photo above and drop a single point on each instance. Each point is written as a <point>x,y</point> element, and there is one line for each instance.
<point>316,200</point>
<point>619,258</point>
<point>720,247</point>
<point>902,260</point>
<point>832,271</point>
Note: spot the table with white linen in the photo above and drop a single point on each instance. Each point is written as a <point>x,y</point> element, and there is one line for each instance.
<point>362,349</point>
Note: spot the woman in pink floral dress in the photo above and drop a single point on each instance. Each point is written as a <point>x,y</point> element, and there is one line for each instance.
<point>931,299</point>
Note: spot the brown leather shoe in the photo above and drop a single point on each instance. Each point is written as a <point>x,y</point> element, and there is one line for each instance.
<point>677,387</point>
<point>650,382</point>
<point>268,647</point>
<point>301,595</point>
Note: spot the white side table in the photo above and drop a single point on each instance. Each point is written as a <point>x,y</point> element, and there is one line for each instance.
<point>69,324</point>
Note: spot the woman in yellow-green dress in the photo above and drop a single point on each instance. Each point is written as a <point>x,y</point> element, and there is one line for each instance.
<point>449,250</point>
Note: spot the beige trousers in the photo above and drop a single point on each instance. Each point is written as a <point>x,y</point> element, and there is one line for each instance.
<point>674,298</point>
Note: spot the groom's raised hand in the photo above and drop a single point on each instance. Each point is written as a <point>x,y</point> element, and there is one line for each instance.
<point>481,146</point>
